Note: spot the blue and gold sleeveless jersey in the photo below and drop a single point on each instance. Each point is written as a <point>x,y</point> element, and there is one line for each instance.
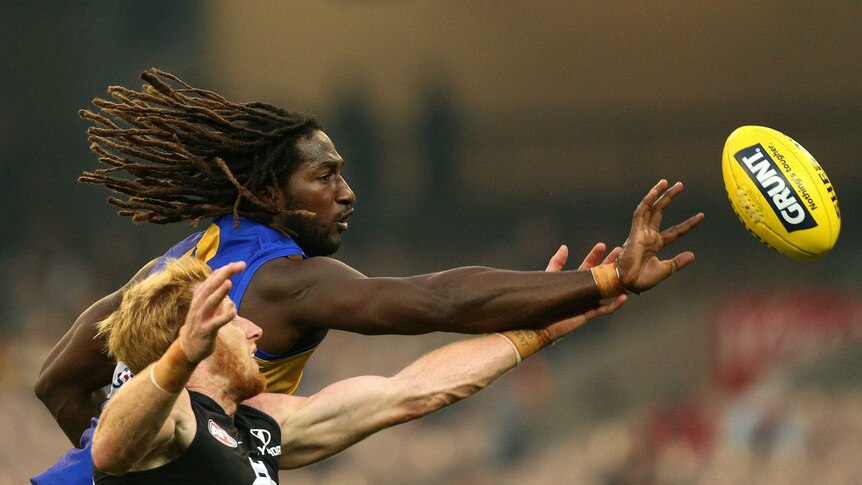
<point>255,244</point>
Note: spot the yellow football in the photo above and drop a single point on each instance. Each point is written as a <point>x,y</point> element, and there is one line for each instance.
<point>780,193</point>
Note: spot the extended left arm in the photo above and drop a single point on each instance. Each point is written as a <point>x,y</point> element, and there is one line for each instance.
<point>348,411</point>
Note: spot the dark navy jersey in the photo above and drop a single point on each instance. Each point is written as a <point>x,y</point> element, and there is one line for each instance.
<point>236,450</point>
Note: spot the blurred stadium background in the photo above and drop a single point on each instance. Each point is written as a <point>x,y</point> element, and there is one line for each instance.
<point>488,133</point>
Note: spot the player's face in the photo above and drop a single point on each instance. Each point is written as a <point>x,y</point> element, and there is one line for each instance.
<point>233,356</point>
<point>318,186</point>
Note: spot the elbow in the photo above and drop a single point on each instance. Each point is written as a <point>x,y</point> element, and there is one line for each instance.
<point>54,394</point>
<point>46,390</point>
<point>106,464</point>
<point>106,458</point>
<point>102,460</point>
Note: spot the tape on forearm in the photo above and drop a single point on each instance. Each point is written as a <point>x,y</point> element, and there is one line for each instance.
<point>527,342</point>
<point>171,372</point>
<point>511,344</point>
<point>607,278</point>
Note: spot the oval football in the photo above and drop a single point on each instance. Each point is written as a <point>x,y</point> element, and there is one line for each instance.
<point>780,193</point>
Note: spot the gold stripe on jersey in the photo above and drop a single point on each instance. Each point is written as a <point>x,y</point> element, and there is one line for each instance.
<point>283,374</point>
<point>207,245</point>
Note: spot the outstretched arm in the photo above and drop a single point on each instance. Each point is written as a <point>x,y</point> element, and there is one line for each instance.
<point>150,421</point>
<point>344,413</point>
<point>284,296</point>
<point>77,369</point>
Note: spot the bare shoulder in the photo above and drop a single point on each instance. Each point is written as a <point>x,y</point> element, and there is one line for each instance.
<point>284,298</point>
<point>112,302</point>
<point>142,273</point>
<point>282,277</point>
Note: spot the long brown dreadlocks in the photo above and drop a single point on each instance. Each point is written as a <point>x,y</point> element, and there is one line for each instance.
<point>191,153</point>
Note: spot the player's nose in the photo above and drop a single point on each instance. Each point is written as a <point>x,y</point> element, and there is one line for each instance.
<point>345,193</point>
<point>252,331</point>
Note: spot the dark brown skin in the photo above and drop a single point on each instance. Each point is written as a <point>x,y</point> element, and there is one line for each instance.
<point>298,301</point>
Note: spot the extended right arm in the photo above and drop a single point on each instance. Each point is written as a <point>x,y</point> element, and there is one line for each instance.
<point>292,298</point>
<point>77,369</point>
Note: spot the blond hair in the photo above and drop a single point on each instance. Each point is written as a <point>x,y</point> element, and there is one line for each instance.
<point>152,312</point>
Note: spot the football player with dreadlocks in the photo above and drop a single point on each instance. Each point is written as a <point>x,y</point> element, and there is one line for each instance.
<point>270,184</point>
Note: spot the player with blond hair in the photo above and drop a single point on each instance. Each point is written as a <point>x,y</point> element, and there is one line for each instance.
<point>270,181</point>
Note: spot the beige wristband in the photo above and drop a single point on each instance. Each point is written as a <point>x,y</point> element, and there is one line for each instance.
<point>527,342</point>
<point>607,278</point>
<point>511,344</point>
<point>171,372</point>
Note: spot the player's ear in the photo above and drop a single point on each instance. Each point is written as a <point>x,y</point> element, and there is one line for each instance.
<point>273,195</point>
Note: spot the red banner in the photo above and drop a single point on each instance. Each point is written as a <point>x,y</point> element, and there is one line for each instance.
<point>754,333</point>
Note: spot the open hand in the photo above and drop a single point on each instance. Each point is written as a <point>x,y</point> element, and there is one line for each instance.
<point>638,262</point>
<point>209,310</point>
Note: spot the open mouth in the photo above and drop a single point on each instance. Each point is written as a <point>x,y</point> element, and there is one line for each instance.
<point>342,222</point>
